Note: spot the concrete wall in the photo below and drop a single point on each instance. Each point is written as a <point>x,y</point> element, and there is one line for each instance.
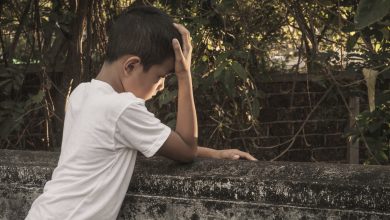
<point>217,189</point>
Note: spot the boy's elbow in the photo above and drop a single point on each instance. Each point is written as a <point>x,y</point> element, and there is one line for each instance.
<point>190,157</point>
<point>180,149</point>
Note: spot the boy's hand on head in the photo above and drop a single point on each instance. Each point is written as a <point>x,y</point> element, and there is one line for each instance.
<point>181,144</point>
<point>182,55</point>
<point>234,154</point>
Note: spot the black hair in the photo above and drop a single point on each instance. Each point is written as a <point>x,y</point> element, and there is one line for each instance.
<point>143,31</point>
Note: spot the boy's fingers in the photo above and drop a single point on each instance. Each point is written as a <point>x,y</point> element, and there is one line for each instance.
<point>177,49</point>
<point>184,32</point>
<point>187,48</point>
<point>250,157</point>
<point>246,156</point>
<point>235,157</point>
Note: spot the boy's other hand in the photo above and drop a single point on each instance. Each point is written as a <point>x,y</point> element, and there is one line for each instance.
<point>234,154</point>
<point>182,55</point>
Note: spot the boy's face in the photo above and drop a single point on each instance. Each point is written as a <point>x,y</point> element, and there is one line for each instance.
<point>146,84</point>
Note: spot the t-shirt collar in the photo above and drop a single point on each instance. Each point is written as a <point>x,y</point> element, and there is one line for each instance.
<point>109,87</point>
<point>102,84</point>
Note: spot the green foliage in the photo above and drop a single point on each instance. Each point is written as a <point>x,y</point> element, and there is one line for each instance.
<point>15,109</point>
<point>371,29</point>
<point>229,38</point>
<point>375,128</point>
<point>371,11</point>
<point>11,81</point>
<point>235,47</point>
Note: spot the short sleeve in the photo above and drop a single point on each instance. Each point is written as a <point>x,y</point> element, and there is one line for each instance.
<point>139,129</point>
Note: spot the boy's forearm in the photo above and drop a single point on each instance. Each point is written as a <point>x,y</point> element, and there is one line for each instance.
<point>186,122</point>
<point>207,152</point>
<point>231,154</point>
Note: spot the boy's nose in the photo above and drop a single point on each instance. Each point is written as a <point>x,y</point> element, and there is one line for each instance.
<point>161,86</point>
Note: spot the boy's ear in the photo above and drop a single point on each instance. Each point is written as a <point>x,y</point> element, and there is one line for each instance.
<point>131,63</point>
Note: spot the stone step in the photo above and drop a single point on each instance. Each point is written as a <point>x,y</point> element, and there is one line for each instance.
<point>253,189</point>
<point>16,200</point>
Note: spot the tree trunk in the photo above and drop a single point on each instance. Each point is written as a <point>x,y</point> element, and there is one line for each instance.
<point>73,69</point>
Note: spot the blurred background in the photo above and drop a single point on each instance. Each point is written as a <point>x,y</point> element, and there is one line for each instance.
<point>282,79</point>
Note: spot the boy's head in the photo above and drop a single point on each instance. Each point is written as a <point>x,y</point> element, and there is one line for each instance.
<point>143,31</point>
<point>140,50</point>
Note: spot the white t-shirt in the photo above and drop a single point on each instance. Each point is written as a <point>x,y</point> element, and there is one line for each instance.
<point>103,131</point>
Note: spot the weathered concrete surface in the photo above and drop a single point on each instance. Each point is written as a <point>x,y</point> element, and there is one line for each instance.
<point>217,189</point>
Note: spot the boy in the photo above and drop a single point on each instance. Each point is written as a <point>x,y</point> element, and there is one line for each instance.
<point>106,122</point>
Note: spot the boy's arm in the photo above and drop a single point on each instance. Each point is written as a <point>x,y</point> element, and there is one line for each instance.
<point>181,144</point>
<point>231,154</point>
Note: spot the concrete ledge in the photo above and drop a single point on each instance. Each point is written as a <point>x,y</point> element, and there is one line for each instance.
<point>163,189</point>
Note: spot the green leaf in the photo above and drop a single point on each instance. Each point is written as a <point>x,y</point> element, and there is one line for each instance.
<point>229,83</point>
<point>222,57</point>
<point>226,5</point>
<point>382,156</point>
<point>241,54</point>
<point>35,99</point>
<point>371,11</point>
<point>38,97</point>
<point>219,70</point>
<point>374,127</point>
<point>172,123</point>
<point>165,97</point>
<point>239,70</point>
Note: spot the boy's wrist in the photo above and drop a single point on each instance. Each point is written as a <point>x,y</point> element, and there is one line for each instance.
<point>184,76</point>
<point>217,154</point>
<point>209,153</point>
